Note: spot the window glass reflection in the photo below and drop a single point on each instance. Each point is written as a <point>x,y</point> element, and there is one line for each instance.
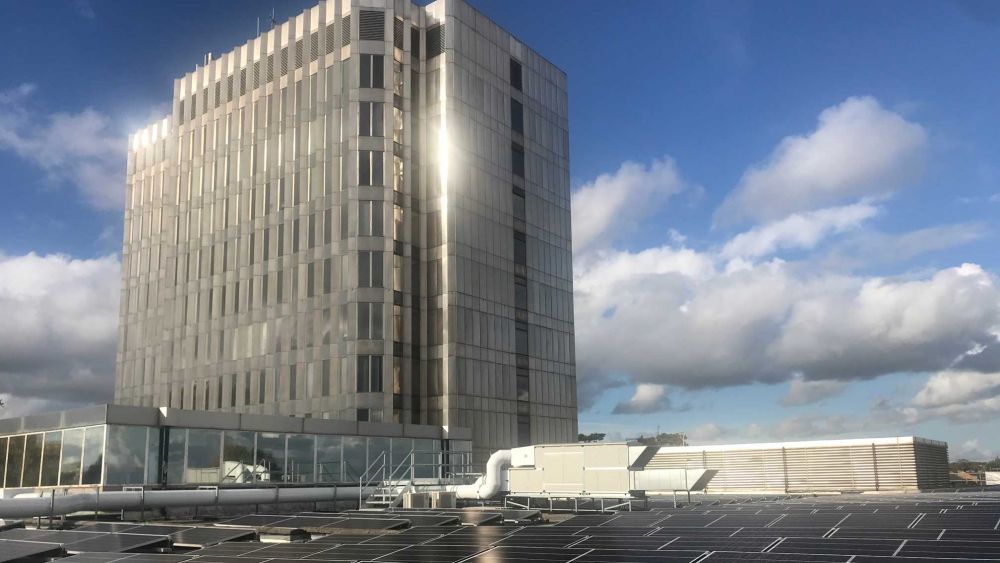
<point>93,455</point>
<point>176,446</point>
<point>355,461</point>
<point>237,455</point>
<point>203,456</point>
<point>426,458</point>
<point>72,448</point>
<point>271,456</point>
<point>50,459</point>
<point>328,459</point>
<point>3,458</point>
<point>15,455</point>
<point>126,455</point>
<point>376,447</point>
<point>152,456</point>
<point>32,460</point>
<point>301,459</point>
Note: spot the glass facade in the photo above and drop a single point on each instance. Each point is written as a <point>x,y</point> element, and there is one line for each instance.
<point>277,222</point>
<point>120,455</point>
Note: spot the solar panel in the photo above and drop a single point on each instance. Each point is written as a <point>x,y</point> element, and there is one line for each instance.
<point>12,550</point>
<point>637,556</point>
<point>527,554</point>
<point>118,542</point>
<point>435,553</point>
<point>255,520</point>
<point>95,557</point>
<point>154,529</point>
<point>205,537</point>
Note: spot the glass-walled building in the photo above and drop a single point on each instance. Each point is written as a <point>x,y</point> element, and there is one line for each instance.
<point>112,446</point>
<point>361,214</point>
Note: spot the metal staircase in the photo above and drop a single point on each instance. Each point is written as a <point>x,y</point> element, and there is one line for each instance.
<point>386,484</point>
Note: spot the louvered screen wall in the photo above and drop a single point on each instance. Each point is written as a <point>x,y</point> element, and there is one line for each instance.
<point>435,41</point>
<point>816,468</point>
<point>371,26</point>
<point>345,31</point>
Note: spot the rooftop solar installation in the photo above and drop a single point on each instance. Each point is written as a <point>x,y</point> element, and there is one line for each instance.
<point>839,528</point>
<point>118,543</point>
<point>12,550</point>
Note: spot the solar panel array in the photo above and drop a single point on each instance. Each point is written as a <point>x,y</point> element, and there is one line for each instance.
<point>837,529</point>
<point>843,529</point>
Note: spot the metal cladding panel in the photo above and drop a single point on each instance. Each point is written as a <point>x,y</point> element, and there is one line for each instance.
<point>522,457</point>
<point>833,466</point>
<point>561,467</point>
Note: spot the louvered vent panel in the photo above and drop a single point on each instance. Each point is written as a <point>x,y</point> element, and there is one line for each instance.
<point>180,113</point>
<point>269,69</point>
<point>229,88</point>
<point>330,30</point>
<point>371,26</point>
<point>415,41</point>
<point>397,33</point>
<point>204,100</point>
<point>821,468</point>
<point>435,41</point>
<point>218,93</point>
<point>298,54</point>
<point>243,81</point>
<point>283,61</point>
<point>345,31</point>
<point>314,46</point>
<point>256,75</point>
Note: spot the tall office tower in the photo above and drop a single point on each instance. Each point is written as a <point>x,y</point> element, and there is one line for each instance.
<point>364,214</point>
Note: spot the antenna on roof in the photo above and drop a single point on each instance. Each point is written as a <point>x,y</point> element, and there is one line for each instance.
<point>258,25</point>
<point>274,22</point>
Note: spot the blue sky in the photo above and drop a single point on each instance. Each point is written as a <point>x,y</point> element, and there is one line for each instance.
<point>703,121</point>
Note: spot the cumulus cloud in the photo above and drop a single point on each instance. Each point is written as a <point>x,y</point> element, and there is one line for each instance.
<point>610,204</point>
<point>954,387</point>
<point>58,331</point>
<point>798,231</point>
<point>678,317</point>
<point>80,149</point>
<point>804,392</point>
<point>646,399</point>
<point>867,247</point>
<point>884,326</point>
<point>709,433</point>
<point>858,149</point>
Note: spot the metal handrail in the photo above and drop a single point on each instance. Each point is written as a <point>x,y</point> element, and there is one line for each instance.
<point>390,483</point>
<point>380,461</point>
<point>408,457</point>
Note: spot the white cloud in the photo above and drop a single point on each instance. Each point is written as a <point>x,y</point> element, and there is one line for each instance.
<point>608,206</point>
<point>868,247</point>
<point>709,433</point>
<point>957,387</point>
<point>805,392</point>
<point>858,149</point>
<point>58,331</point>
<point>877,326</point>
<point>799,230</point>
<point>672,317</point>
<point>646,399</point>
<point>972,449</point>
<point>76,148</point>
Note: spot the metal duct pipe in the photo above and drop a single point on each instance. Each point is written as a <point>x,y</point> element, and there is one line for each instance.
<point>53,505</point>
<point>488,484</point>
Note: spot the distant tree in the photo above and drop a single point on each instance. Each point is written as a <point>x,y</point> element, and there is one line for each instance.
<point>595,437</point>
<point>664,439</point>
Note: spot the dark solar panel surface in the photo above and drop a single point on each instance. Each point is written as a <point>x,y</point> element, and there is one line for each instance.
<point>13,550</point>
<point>847,528</point>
